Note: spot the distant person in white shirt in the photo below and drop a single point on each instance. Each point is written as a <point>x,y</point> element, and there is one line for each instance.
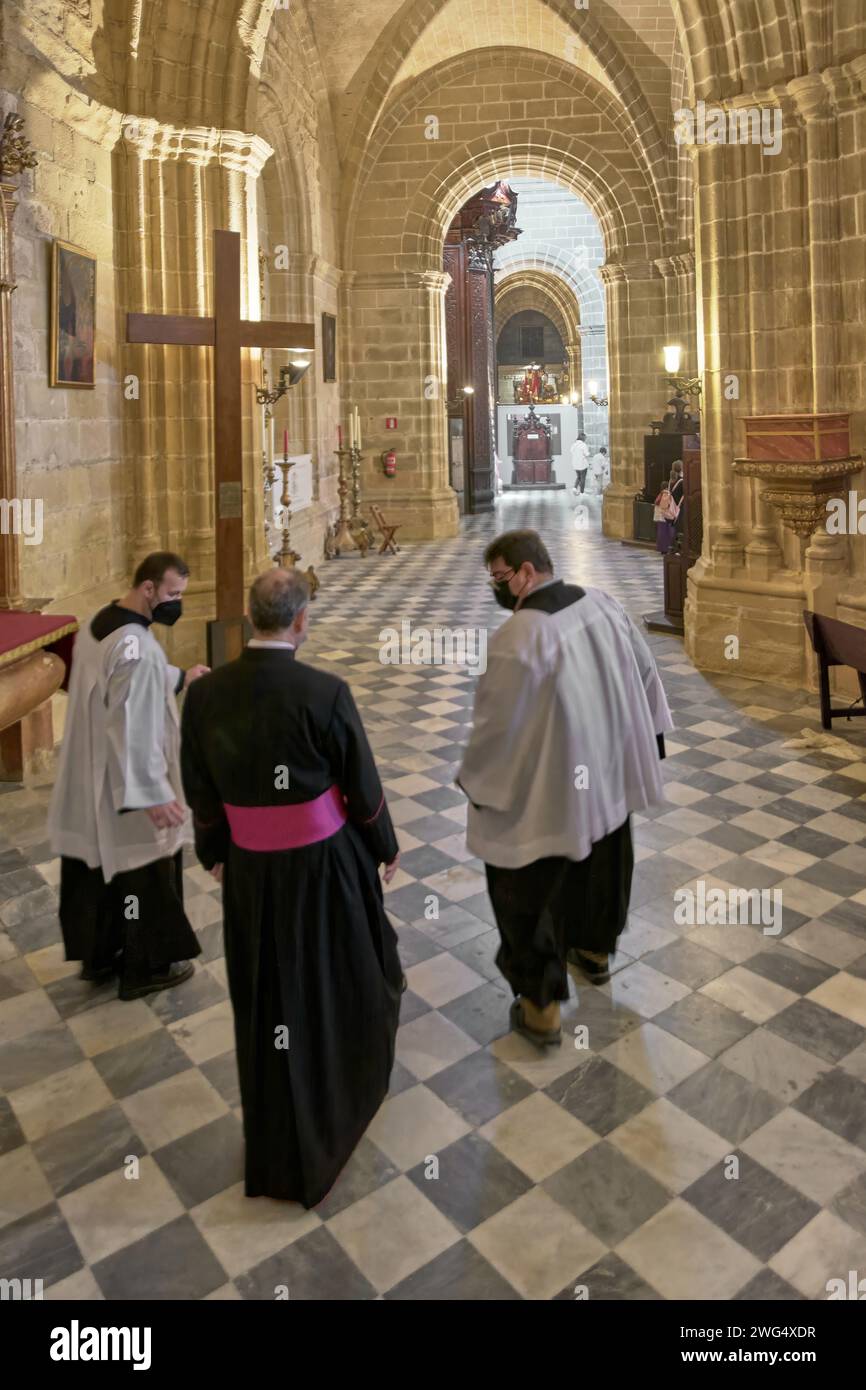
<point>600,470</point>
<point>580,462</point>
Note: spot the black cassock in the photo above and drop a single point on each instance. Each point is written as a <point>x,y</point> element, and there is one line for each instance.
<point>273,754</point>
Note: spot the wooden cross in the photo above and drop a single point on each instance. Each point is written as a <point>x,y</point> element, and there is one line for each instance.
<point>227,333</point>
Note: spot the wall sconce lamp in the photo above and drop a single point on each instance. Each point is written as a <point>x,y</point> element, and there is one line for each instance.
<point>683,386</point>
<point>592,389</point>
<point>289,376</point>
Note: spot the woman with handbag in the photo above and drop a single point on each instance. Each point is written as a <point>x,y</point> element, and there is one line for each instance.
<point>666,508</point>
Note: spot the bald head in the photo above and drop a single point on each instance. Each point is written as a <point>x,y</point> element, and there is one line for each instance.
<point>278,605</point>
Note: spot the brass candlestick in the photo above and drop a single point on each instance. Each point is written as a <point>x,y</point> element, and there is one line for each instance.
<point>344,542</point>
<point>355,456</point>
<point>359,528</point>
<point>269,473</point>
<point>286,556</point>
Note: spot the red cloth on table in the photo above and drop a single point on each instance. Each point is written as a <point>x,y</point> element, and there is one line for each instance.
<point>21,634</point>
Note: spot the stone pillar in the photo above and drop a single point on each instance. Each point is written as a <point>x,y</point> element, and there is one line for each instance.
<point>677,270</point>
<point>634,312</point>
<point>574,357</point>
<point>10,574</point>
<point>826,559</point>
<point>395,331</point>
<point>481,362</point>
<point>724,338</point>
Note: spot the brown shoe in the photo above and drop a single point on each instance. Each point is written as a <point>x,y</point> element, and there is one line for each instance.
<point>550,1037</point>
<point>174,975</point>
<point>593,971</point>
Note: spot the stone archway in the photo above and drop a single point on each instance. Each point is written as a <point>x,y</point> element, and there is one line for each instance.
<point>616,188</point>
<point>521,290</point>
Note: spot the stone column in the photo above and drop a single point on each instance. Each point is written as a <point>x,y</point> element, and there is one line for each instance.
<point>574,357</point>
<point>826,557</point>
<point>10,574</point>
<point>395,331</point>
<point>634,313</point>
<point>482,356</point>
<point>719,302</point>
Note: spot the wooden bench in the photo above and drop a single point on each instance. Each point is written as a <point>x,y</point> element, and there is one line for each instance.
<point>387,531</point>
<point>836,644</point>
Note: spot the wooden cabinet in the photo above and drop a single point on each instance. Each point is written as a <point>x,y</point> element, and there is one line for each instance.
<point>533,460</point>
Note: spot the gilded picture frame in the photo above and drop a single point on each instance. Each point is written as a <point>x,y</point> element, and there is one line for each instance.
<point>73,317</point>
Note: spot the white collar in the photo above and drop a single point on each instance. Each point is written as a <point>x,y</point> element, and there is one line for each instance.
<point>276,645</point>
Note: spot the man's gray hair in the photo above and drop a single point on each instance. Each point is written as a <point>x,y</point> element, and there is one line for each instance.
<point>276,599</point>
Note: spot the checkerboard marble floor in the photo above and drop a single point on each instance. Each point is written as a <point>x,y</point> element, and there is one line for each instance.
<point>608,1166</point>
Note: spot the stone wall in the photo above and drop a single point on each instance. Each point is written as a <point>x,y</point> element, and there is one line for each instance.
<point>68,440</point>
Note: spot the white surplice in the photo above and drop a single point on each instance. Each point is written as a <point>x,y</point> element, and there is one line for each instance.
<point>121,752</point>
<point>563,746</point>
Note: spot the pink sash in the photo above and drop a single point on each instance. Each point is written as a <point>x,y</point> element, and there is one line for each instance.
<point>270,828</point>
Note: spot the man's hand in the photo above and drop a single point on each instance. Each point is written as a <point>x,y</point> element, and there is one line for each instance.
<point>391,869</point>
<point>166,816</point>
<point>193,674</point>
<point>217,872</point>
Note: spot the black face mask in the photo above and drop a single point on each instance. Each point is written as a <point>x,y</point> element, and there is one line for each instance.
<point>503,595</point>
<point>167,613</point>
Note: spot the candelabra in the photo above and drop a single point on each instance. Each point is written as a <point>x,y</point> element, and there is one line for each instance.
<point>686,386</point>
<point>286,557</point>
<point>269,472</point>
<point>359,528</point>
<point>343,542</point>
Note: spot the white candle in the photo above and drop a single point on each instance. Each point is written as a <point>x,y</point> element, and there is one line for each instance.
<point>351,429</point>
<point>357,428</point>
<point>271,455</point>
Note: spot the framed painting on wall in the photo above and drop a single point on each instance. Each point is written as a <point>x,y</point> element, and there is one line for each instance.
<point>73,316</point>
<point>329,347</point>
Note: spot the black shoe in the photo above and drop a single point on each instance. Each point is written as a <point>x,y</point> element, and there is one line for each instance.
<point>591,970</point>
<point>97,975</point>
<point>173,975</point>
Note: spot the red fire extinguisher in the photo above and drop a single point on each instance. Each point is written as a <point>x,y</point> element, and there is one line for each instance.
<point>389,463</point>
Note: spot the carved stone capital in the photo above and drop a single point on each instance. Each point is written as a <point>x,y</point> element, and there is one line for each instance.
<point>437,281</point>
<point>812,97</point>
<point>613,271</point>
<point>200,145</point>
<point>799,490</point>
